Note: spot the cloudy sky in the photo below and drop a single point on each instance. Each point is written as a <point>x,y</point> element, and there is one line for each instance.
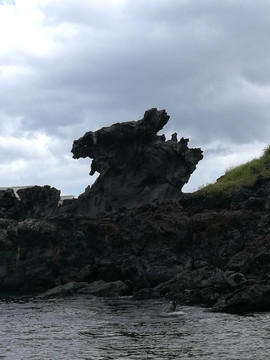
<point>67,67</point>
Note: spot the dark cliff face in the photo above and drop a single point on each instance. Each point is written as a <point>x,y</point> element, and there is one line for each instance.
<point>136,165</point>
<point>213,250</point>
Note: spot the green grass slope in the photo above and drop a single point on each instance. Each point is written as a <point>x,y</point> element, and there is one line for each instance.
<point>241,175</point>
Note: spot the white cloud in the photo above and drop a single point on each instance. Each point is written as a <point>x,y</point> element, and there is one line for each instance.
<point>20,28</point>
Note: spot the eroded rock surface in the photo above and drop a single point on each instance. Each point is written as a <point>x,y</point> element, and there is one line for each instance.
<point>212,250</point>
<point>216,255</point>
<point>136,165</point>
<point>31,202</point>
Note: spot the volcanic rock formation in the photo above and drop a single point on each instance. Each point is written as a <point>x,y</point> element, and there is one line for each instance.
<point>136,165</point>
<point>199,248</point>
<point>33,202</point>
<point>210,250</point>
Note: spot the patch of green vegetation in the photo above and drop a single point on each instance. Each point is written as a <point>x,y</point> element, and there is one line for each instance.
<point>241,175</point>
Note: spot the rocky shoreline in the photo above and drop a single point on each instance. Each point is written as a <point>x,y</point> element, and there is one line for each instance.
<point>206,250</point>
<point>133,232</point>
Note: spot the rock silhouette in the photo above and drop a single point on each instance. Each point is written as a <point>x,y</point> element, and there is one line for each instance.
<point>198,248</point>
<point>136,165</point>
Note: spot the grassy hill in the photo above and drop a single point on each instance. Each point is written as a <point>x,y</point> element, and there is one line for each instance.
<point>245,174</point>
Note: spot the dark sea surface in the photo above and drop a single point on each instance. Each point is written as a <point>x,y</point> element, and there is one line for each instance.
<point>83,327</point>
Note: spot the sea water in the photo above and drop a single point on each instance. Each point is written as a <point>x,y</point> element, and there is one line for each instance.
<point>84,327</point>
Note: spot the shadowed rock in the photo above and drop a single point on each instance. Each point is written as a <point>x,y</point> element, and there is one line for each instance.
<point>212,256</point>
<point>38,201</point>
<point>31,202</point>
<point>136,165</point>
<point>8,203</point>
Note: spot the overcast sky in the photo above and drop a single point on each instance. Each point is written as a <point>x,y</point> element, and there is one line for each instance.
<point>67,67</point>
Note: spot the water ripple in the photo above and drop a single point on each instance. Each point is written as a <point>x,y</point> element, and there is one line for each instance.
<point>89,328</point>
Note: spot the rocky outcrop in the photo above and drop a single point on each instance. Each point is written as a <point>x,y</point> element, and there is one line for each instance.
<point>217,257</point>
<point>31,202</point>
<point>212,250</point>
<point>136,165</point>
<point>38,201</point>
<point>8,204</point>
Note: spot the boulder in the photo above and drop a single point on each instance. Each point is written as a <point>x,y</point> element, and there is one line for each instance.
<point>63,290</point>
<point>107,289</point>
<point>249,298</point>
<point>98,288</point>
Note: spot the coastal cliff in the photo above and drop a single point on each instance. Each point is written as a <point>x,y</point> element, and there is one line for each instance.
<point>206,249</point>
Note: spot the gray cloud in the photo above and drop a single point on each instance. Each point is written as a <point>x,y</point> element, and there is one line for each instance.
<point>206,63</point>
